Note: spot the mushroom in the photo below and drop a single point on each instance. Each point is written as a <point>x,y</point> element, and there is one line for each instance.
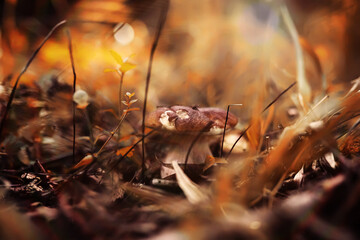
<point>180,125</point>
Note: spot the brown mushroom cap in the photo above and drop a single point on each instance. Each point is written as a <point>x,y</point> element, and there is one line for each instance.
<point>218,116</point>
<point>186,119</point>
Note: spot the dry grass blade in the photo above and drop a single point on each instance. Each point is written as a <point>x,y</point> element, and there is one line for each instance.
<point>304,87</point>
<point>12,94</point>
<point>226,120</point>
<point>161,23</point>
<point>163,200</point>
<point>192,191</point>
<point>267,107</point>
<point>68,34</point>
<point>294,151</point>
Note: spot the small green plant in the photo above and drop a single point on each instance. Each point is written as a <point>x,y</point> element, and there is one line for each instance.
<point>128,102</point>
<point>124,66</point>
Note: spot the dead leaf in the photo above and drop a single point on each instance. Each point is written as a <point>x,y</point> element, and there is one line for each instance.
<point>191,190</point>
<point>123,151</point>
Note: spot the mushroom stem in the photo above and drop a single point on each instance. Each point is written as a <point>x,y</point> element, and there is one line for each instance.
<point>177,151</point>
<point>193,142</point>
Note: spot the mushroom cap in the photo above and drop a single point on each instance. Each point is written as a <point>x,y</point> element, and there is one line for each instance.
<point>184,119</point>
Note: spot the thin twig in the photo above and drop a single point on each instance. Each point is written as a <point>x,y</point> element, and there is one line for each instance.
<point>125,154</point>
<point>112,134</point>
<point>241,135</point>
<point>68,34</point>
<point>266,108</point>
<point>118,28</point>
<point>91,132</point>
<point>82,21</point>
<point>120,91</point>
<point>120,96</point>
<point>161,23</point>
<point>12,94</point>
<point>226,120</point>
<point>40,166</point>
<point>282,93</point>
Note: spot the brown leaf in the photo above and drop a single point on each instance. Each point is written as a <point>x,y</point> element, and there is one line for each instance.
<point>123,151</point>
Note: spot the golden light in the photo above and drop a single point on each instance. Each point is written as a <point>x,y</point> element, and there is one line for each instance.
<point>124,33</point>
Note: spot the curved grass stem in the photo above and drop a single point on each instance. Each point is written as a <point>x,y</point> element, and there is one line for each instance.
<point>112,134</point>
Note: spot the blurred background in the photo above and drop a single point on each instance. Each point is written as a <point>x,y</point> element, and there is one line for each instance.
<point>211,53</point>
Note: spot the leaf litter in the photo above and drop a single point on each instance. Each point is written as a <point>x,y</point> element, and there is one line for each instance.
<point>72,166</point>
